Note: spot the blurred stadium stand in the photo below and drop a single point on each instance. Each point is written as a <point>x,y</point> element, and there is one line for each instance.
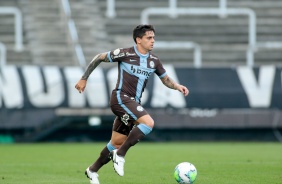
<point>7,35</point>
<point>45,32</point>
<point>223,41</point>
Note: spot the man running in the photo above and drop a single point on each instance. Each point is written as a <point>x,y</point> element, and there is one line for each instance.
<point>132,123</point>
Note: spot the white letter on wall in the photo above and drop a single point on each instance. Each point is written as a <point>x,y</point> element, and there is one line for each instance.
<point>95,91</point>
<point>258,92</point>
<point>11,88</point>
<point>54,94</point>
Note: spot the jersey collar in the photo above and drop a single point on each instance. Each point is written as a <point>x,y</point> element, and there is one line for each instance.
<point>139,54</point>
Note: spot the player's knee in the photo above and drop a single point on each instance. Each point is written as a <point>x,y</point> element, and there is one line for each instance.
<point>110,147</point>
<point>147,120</point>
<point>117,144</point>
<point>145,129</point>
<point>150,123</point>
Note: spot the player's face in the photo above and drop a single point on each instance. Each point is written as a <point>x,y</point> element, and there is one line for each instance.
<point>147,41</point>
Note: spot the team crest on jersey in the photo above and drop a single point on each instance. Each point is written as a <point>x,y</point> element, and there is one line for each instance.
<point>125,119</point>
<point>152,64</point>
<point>140,108</point>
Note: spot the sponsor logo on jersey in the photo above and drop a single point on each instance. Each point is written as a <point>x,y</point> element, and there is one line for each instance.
<point>153,57</point>
<point>137,70</point>
<point>132,60</point>
<point>130,54</point>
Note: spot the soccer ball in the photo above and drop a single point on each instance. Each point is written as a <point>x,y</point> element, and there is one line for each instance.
<point>185,173</point>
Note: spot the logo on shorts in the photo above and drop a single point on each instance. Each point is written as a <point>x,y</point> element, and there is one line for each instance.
<point>125,119</point>
<point>140,108</point>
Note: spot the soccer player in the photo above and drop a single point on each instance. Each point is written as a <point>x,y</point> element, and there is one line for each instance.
<point>132,122</point>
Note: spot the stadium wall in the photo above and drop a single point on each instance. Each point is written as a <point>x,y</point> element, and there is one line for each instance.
<point>43,99</point>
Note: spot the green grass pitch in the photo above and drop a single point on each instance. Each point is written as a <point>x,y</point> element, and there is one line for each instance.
<point>146,163</point>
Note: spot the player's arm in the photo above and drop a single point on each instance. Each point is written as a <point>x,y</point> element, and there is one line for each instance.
<point>94,63</point>
<point>81,84</point>
<point>168,82</point>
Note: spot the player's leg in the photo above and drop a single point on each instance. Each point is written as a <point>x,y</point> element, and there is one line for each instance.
<point>116,141</point>
<point>129,112</point>
<point>103,158</point>
<point>91,171</point>
<point>144,127</point>
<point>119,136</point>
<point>135,135</point>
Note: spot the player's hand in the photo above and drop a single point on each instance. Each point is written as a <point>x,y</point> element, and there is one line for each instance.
<point>80,85</point>
<point>183,89</point>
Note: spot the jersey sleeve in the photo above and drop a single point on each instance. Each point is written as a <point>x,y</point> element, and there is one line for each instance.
<point>116,55</point>
<point>160,71</point>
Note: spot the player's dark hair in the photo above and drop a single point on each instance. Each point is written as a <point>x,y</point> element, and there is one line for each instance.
<point>140,30</point>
